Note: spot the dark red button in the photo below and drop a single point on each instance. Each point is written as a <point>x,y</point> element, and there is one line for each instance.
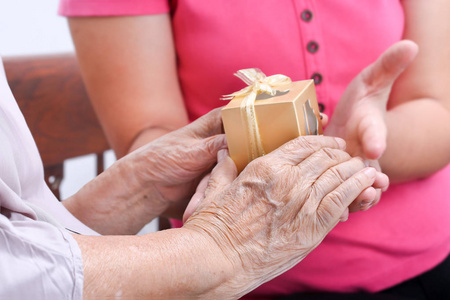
<point>317,77</point>
<point>312,47</point>
<point>307,15</point>
<point>321,107</point>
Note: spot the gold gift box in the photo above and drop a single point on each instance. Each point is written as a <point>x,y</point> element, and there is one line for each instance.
<point>280,118</point>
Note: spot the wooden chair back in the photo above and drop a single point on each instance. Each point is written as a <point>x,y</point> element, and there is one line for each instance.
<point>52,97</point>
<point>51,94</point>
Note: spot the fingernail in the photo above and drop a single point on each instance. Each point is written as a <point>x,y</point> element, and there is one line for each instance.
<point>365,205</point>
<point>365,202</point>
<point>370,172</point>
<point>341,143</point>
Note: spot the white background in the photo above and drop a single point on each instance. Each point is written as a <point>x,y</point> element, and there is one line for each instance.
<point>33,27</point>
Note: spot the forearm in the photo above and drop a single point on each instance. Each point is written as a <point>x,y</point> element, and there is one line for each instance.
<point>176,263</point>
<point>129,69</point>
<point>418,117</point>
<point>117,201</point>
<point>150,134</point>
<point>418,141</point>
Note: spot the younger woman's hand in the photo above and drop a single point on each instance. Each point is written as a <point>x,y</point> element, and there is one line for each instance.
<point>359,117</point>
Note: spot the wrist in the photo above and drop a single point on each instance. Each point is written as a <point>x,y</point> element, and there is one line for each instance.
<point>137,199</point>
<point>217,273</point>
<point>146,136</point>
<point>239,281</point>
<point>151,171</point>
<point>116,201</point>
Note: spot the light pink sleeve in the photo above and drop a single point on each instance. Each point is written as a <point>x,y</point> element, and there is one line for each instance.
<point>85,8</point>
<point>39,258</point>
<point>38,261</point>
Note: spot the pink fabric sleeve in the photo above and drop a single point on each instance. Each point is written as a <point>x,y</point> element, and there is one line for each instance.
<point>38,261</point>
<point>85,8</point>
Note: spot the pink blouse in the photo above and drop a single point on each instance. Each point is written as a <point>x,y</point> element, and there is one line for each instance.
<point>331,42</point>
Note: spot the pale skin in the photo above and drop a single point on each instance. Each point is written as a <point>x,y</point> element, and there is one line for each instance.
<point>120,55</point>
<point>240,231</point>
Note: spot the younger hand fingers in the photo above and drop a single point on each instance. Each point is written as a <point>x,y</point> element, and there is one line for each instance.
<point>385,70</point>
<point>381,181</point>
<point>364,201</point>
<point>324,119</point>
<point>373,134</point>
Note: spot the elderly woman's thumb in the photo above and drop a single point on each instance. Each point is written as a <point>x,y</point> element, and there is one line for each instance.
<point>222,175</point>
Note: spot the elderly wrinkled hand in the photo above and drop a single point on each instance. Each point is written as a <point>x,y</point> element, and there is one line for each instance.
<point>176,162</point>
<point>280,207</point>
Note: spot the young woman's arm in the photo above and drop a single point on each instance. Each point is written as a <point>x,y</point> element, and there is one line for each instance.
<point>397,110</point>
<point>129,68</point>
<point>418,117</point>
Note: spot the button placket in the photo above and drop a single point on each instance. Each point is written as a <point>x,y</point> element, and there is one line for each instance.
<point>311,36</point>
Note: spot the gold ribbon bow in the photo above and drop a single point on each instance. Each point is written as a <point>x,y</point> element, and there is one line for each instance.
<point>257,83</point>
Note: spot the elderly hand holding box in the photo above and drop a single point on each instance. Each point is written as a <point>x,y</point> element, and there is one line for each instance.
<point>244,230</point>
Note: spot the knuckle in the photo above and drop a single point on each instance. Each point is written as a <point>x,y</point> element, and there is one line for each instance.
<point>213,184</point>
<point>291,146</point>
<point>210,145</point>
<point>307,143</point>
<point>358,182</point>
<point>334,155</point>
<point>338,198</point>
<point>316,190</point>
<point>334,199</point>
<point>329,153</point>
<point>336,173</point>
<point>260,166</point>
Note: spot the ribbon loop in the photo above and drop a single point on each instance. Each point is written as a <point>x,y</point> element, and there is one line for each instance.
<point>257,83</point>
